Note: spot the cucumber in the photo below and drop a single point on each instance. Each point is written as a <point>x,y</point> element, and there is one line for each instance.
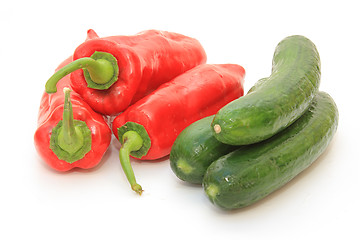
<point>194,150</point>
<point>279,99</point>
<point>257,85</point>
<point>247,175</point>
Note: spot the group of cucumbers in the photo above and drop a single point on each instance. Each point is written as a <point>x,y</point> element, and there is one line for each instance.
<point>259,142</point>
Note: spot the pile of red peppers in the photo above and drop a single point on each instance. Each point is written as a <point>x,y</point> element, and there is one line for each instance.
<point>152,85</point>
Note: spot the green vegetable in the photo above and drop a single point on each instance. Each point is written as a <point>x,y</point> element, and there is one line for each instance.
<point>277,101</point>
<point>247,175</point>
<point>195,149</point>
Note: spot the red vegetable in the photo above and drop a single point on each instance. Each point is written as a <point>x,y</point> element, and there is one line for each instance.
<point>119,70</point>
<point>148,128</point>
<point>70,134</point>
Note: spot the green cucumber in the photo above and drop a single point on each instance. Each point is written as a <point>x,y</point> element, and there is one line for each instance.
<point>247,175</point>
<point>279,99</point>
<point>257,85</point>
<point>195,149</point>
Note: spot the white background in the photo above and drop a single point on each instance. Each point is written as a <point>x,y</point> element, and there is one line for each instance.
<point>35,201</point>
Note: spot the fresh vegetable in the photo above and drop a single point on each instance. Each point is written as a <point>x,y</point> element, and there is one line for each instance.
<point>195,149</point>
<point>280,99</point>
<point>257,85</point>
<point>247,175</point>
<point>148,128</point>
<point>113,72</point>
<point>70,134</point>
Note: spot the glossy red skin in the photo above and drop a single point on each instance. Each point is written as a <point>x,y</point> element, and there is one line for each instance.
<point>50,113</point>
<point>198,93</point>
<point>146,60</point>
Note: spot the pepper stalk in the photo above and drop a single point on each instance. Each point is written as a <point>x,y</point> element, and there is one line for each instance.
<point>70,139</point>
<point>132,141</point>
<point>135,141</point>
<point>100,71</point>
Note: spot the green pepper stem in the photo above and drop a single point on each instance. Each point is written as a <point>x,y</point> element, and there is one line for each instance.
<point>68,118</point>
<point>101,71</point>
<point>70,138</point>
<point>132,141</point>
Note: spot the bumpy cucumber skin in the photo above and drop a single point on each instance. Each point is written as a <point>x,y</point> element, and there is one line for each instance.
<point>279,100</point>
<point>194,150</point>
<point>245,176</point>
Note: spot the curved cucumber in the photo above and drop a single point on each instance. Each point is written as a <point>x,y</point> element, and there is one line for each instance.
<point>257,85</point>
<point>195,149</point>
<point>279,100</point>
<point>245,176</point>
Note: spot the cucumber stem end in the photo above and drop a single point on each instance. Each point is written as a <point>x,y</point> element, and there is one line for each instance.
<point>212,190</point>
<point>217,128</point>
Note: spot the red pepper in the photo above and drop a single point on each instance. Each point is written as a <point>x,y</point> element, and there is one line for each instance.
<point>70,134</point>
<point>119,70</point>
<point>148,128</point>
